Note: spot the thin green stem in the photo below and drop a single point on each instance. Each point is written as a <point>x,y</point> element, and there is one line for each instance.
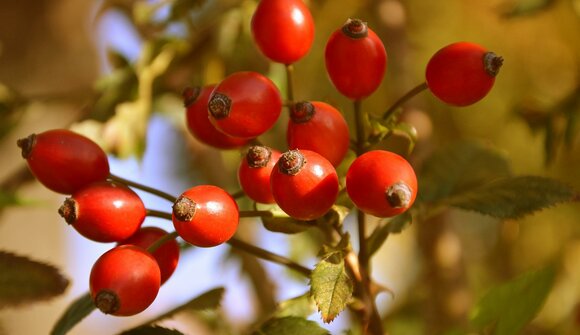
<point>289,84</point>
<point>269,256</point>
<point>167,237</point>
<point>256,213</point>
<point>411,93</point>
<point>142,187</point>
<point>158,214</point>
<point>238,194</point>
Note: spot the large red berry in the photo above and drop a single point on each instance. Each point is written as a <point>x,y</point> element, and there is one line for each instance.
<point>319,127</point>
<point>64,161</point>
<point>124,281</point>
<point>381,183</point>
<point>304,184</point>
<point>245,104</point>
<point>283,29</point>
<point>104,211</point>
<point>205,216</point>
<point>254,173</point>
<point>355,59</point>
<point>167,255</point>
<point>197,117</point>
<point>462,73</point>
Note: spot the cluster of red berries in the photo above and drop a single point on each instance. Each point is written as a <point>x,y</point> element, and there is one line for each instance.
<point>302,181</point>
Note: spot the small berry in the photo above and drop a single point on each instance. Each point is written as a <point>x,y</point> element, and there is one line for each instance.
<point>245,104</point>
<point>254,173</point>
<point>381,183</point>
<point>319,127</point>
<point>304,184</point>
<point>64,161</point>
<point>195,100</point>
<point>356,59</point>
<point>462,73</point>
<point>104,212</point>
<point>283,29</point>
<point>167,255</point>
<point>205,216</point>
<point>124,281</point>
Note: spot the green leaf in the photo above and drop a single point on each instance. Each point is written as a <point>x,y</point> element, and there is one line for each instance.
<point>527,7</point>
<point>286,225</point>
<point>290,325</point>
<point>151,330</point>
<point>8,199</point>
<point>460,167</point>
<point>23,280</point>
<point>209,300</point>
<point>78,310</point>
<point>300,306</point>
<point>512,305</point>
<point>330,286</point>
<point>380,234</point>
<point>511,198</point>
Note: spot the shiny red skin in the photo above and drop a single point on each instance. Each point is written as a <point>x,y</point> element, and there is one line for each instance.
<point>215,220</point>
<point>167,255</point>
<point>325,133</point>
<point>65,161</point>
<point>202,129</point>
<point>371,174</point>
<point>356,66</point>
<point>456,74</point>
<point>255,181</point>
<point>108,212</point>
<point>283,29</point>
<point>256,104</point>
<point>310,193</point>
<point>131,273</point>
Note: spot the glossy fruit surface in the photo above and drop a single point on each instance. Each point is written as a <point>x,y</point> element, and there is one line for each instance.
<point>124,281</point>
<point>462,73</point>
<point>245,104</point>
<point>319,127</point>
<point>304,184</point>
<point>198,124</point>
<point>205,216</point>
<point>381,183</point>
<point>104,211</point>
<point>283,29</point>
<point>167,255</point>
<point>356,60</point>
<point>254,173</point>
<point>64,161</point>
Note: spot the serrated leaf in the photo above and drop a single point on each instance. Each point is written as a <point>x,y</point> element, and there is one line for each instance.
<point>301,306</point>
<point>460,167</point>
<point>290,325</point>
<point>512,305</point>
<point>151,330</point>
<point>24,281</point>
<point>76,311</point>
<point>330,286</point>
<point>380,234</point>
<point>511,198</point>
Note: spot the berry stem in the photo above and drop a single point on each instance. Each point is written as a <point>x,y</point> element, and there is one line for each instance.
<point>269,256</point>
<point>407,96</point>
<point>167,237</point>
<point>142,187</point>
<point>238,194</point>
<point>289,84</point>
<point>256,213</point>
<point>158,214</point>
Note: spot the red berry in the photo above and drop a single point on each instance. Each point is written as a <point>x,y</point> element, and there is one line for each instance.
<point>104,212</point>
<point>124,281</point>
<point>197,117</point>
<point>356,59</point>
<point>64,161</point>
<point>319,127</point>
<point>245,104</point>
<point>283,29</point>
<point>167,255</point>
<point>462,73</point>
<point>205,216</point>
<point>254,173</point>
<point>381,183</point>
<point>304,184</point>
